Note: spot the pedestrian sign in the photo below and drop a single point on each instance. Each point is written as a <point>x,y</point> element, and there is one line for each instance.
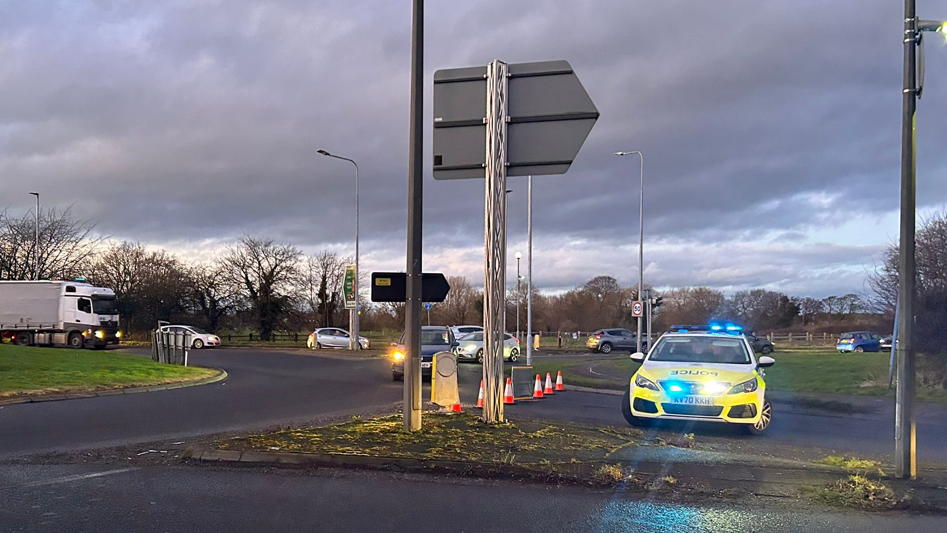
<point>637,309</point>
<point>428,306</point>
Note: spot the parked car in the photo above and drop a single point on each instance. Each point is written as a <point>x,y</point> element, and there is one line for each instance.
<point>333,338</point>
<point>606,340</point>
<point>470,347</point>
<point>858,341</point>
<point>463,331</point>
<point>760,344</point>
<point>199,338</point>
<point>433,339</point>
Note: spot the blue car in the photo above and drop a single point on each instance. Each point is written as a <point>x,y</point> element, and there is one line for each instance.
<point>858,341</point>
<point>433,339</point>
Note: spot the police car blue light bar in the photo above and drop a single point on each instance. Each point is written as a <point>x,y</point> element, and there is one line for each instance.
<point>713,327</point>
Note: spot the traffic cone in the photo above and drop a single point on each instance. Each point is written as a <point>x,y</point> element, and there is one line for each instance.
<point>548,389</point>
<point>538,389</point>
<point>508,393</point>
<point>456,408</point>
<point>559,385</point>
<point>480,396</point>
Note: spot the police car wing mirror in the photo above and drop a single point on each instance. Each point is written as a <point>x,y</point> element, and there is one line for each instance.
<point>637,357</point>
<point>767,361</point>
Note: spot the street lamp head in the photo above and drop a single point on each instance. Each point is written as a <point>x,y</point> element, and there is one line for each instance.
<point>36,194</point>
<point>323,152</point>
<point>518,255</point>
<point>939,26</point>
<point>628,153</point>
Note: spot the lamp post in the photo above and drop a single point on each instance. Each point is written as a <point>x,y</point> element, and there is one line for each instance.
<point>518,256</point>
<point>640,235</point>
<point>904,420</point>
<point>353,313</point>
<point>36,242</point>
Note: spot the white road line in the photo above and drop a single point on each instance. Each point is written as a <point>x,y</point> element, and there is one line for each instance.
<point>78,477</point>
<point>599,373</point>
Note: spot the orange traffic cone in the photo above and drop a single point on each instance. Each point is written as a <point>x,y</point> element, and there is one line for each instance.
<point>508,393</point>
<point>480,396</point>
<point>548,389</point>
<point>456,408</point>
<point>538,389</point>
<point>559,385</point>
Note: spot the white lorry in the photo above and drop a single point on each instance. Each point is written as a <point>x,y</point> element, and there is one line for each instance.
<point>73,313</point>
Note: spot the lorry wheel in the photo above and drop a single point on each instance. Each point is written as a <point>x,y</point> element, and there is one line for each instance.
<point>23,338</point>
<point>75,340</point>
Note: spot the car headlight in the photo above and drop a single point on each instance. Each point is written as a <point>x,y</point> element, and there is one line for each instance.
<point>99,334</point>
<point>397,356</point>
<point>645,383</point>
<point>715,387</point>
<point>747,386</point>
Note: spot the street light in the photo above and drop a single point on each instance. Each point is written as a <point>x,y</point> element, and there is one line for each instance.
<point>640,236</point>
<point>904,420</point>
<point>36,243</point>
<point>353,313</point>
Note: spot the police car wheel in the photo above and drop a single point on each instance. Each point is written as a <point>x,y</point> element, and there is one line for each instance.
<point>606,348</point>
<point>626,411</point>
<point>766,417</point>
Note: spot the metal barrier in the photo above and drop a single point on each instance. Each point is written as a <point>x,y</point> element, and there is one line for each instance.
<point>170,347</point>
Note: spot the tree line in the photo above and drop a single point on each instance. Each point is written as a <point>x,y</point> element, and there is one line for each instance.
<point>264,286</point>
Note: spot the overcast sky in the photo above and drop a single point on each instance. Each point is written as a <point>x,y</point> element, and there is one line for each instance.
<point>770,130</point>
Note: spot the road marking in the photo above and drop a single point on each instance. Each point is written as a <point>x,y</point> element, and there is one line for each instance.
<point>599,373</point>
<point>78,477</point>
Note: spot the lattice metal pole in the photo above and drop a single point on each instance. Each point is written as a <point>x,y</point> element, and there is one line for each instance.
<point>494,298</point>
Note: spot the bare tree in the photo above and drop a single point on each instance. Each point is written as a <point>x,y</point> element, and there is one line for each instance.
<point>690,305</point>
<point>458,307</point>
<point>264,274</point>
<point>322,277</point>
<point>211,296</point>
<point>65,245</point>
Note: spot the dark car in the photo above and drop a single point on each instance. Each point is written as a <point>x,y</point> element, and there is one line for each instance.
<point>858,341</point>
<point>760,344</point>
<point>886,342</point>
<point>606,340</point>
<point>433,339</point>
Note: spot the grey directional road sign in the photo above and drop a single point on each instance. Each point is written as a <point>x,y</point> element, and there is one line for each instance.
<point>550,115</point>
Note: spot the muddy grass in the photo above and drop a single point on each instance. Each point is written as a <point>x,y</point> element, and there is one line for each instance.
<point>449,438</point>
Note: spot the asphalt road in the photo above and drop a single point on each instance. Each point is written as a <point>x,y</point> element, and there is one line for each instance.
<point>266,388</point>
<point>67,498</point>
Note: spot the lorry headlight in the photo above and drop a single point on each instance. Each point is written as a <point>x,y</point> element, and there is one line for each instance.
<point>99,334</point>
<point>118,334</point>
<point>747,386</point>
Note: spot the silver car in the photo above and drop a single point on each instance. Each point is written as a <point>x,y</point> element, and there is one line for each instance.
<point>471,348</point>
<point>606,340</point>
<point>333,338</point>
<point>462,331</point>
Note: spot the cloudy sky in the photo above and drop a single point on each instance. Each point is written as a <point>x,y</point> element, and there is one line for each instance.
<point>770,130</point>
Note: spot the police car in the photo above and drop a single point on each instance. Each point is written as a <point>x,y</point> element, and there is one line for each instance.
<point>700,373</point>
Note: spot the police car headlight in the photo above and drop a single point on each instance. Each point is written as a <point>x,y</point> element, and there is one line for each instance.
<point>747,386</point>
<point>715,387</point>
<point>645,383</point>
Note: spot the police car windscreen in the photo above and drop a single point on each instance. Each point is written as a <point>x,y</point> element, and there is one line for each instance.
<point>701,350</point>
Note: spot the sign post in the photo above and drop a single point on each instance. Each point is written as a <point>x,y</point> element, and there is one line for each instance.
<point>348,287</point>
<point>499,120</point>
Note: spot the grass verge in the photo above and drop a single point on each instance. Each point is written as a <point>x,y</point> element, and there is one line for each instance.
<point>855,492</point>
<point>30,371</point>
<point>545,449</point>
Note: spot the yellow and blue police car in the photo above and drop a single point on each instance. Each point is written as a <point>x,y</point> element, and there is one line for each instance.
<point>700,373</point>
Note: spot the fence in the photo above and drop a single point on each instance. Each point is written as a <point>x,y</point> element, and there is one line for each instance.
<point>169,347</point>
<point>804,338</point>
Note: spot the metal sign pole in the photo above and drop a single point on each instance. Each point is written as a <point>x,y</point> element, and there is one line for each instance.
<point>529,270</point>
<point>494,301</point>
<point>411,407</point>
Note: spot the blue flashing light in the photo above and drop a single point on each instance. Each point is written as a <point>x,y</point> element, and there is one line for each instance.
<point>734,327</point>
<point>675,388</point>
<point>716,327</point>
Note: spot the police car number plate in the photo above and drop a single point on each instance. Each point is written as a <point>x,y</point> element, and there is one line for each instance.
<point>425,365</point>
<point>693,400</point>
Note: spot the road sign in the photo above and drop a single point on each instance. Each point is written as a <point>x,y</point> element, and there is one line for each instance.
<point>427,305</point>
<point>637,309</point>
<point>549,115</point>
<point>391,286</point>
<point>348,287</point>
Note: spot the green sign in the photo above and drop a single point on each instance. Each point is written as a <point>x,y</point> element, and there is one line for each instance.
<point>348,287</point>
